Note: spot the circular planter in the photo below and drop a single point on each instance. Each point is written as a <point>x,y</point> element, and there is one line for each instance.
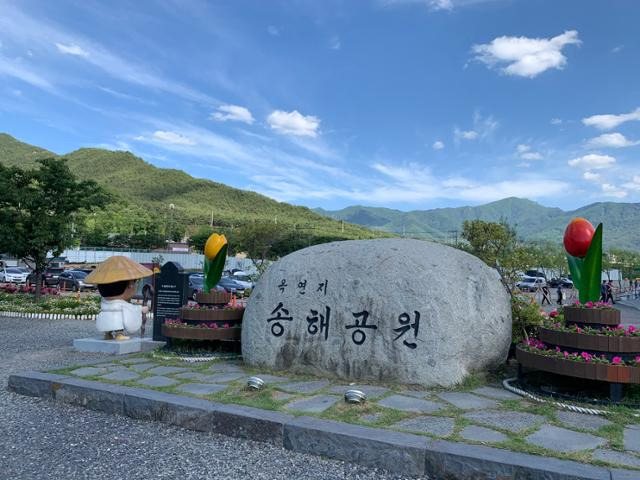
<point>597,316</point>
<point>211,315</point>
<point>190,333</point>
<point>213,298</point>
<point>583,341</point>
<point>571,368</point>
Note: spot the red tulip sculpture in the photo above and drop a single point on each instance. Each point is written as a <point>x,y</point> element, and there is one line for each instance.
<point>583,244</point>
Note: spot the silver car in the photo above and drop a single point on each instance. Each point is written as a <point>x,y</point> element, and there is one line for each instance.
<point>13,275</point>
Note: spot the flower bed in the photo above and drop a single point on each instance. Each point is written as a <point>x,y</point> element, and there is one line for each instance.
<point>592,313</point>
<point>71,307</point>
<point>190,332</point>
<point>576,365</point>
<point>213,298</point>
<point>618,340</point>
<point>207,314</point>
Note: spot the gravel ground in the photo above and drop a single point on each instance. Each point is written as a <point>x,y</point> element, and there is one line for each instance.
<point>44,440</point>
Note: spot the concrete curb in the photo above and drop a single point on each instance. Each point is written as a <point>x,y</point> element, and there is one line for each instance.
<point>397,452</point>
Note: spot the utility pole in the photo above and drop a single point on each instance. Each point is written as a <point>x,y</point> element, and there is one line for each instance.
<point>212,217</point>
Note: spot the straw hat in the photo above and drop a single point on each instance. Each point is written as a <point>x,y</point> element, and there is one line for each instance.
<point>117,269</point>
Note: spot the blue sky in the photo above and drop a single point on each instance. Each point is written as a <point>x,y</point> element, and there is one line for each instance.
<point>409,104</point>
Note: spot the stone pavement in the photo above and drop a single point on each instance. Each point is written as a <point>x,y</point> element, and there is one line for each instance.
<point>487,415</point>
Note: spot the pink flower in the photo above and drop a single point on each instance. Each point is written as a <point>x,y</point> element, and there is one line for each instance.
<point>589,304</point>
<point>578,329</point>
<point>566,354</point>
<point>638,359</point>
<point>616,360</point>
<point>553,313</point>
<point>631,329</point>
<point>586,356</point>
<point>557,349</point>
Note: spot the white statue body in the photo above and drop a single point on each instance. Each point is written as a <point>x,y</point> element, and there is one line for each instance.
<point>119,315</point>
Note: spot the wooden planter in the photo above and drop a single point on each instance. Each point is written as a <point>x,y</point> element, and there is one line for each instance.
<point>590,371</point>
<point>211,315</point>
<point>583,341</point>
<point>187,333</point>
<point>213,298</point>
<point>598,316</point>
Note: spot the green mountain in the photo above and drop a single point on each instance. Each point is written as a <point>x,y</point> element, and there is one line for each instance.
<point>141,187</point>
<point>531,220</point>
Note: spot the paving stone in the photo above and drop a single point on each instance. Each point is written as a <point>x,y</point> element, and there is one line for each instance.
<point>226,367</point>
<point>141,367</point>
<point>619,458</point>
<point>632,438</point>
<point>511,421</point>
<point>313,404</point>
<point>304,387</point>
<point>121,376</point>
<point>158,381</point>
<point>467,401</point>
<point>272,378</point>
<point>202,388</point>
<point>118,368</point>
<point>563,440</point>
<point>410,404</point>
<point>582,421</point>
<point>438,426</point>
<point>496,393</point>
<point>107,365</point>
<point>416,393</point>
<point>167,370</point>
<point>482,434</point>
<point>88,371</point>
<point>371,417</point>
<point>370,391</point>
<point>224,377</point>
<point>282,395</point>
<point>190,375</point>
<point>134,360</point>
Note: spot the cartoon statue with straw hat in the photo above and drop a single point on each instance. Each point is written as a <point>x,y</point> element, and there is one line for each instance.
<point>116,280</point>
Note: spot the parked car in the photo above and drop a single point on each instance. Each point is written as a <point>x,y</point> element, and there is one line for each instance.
<point>535,273</point>
<point>565,282</point>
<point>231,286</point>
<point>531,284</point>
<point>242,278</point>
<point>74,280</point>
<point>50,277</point>
<point>196,285</point>
<point>13,275</point>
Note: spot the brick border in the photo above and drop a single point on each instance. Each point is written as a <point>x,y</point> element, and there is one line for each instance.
<point>397,452</point>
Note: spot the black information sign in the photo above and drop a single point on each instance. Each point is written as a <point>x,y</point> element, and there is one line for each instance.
<point>171,294</point>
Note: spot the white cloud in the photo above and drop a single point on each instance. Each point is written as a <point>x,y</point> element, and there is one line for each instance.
<point>172,137</point>
<point>531,156</point>
<point>608,121</point>
<point>273,30</point>
<point>466,135</point>
<point>593,160</point>
<point>436,5</point>
<point>611,140</point>
<point>556,121</point>
<point>234,113</point>
<point>438,145</point>
<point>617,49</point>
<point>293,123</point>
<point>526,154</point>
<point>15,69</point>
<point>72,50</point>
<point>634,184</point>
<point>526,57</point>
<point>523,165</point>
<point>613,191</point>
<point>591,176</point>
<point>335,43</point>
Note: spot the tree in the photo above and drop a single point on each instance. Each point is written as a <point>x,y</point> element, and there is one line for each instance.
<point>37,211</point>
<point>261,242</point>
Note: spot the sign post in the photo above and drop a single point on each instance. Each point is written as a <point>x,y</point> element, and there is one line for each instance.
<point>170,295</point>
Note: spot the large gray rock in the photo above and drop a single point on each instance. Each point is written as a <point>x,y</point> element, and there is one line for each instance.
<point>396,310</point>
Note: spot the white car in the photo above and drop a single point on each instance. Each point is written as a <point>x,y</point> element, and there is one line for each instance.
<point>531,284</point>
<point>13,275</point>
<point>242,278</point>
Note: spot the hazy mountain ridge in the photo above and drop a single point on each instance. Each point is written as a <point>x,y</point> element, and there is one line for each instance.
<point>531,220</point>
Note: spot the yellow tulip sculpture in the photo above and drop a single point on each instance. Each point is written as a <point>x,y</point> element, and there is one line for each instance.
<point>215,254</point>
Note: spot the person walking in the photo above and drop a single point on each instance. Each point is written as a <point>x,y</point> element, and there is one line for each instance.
<point>610,292</point>
<point>545,295</point>
<point>559,292</point>
<point>603,291</point>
